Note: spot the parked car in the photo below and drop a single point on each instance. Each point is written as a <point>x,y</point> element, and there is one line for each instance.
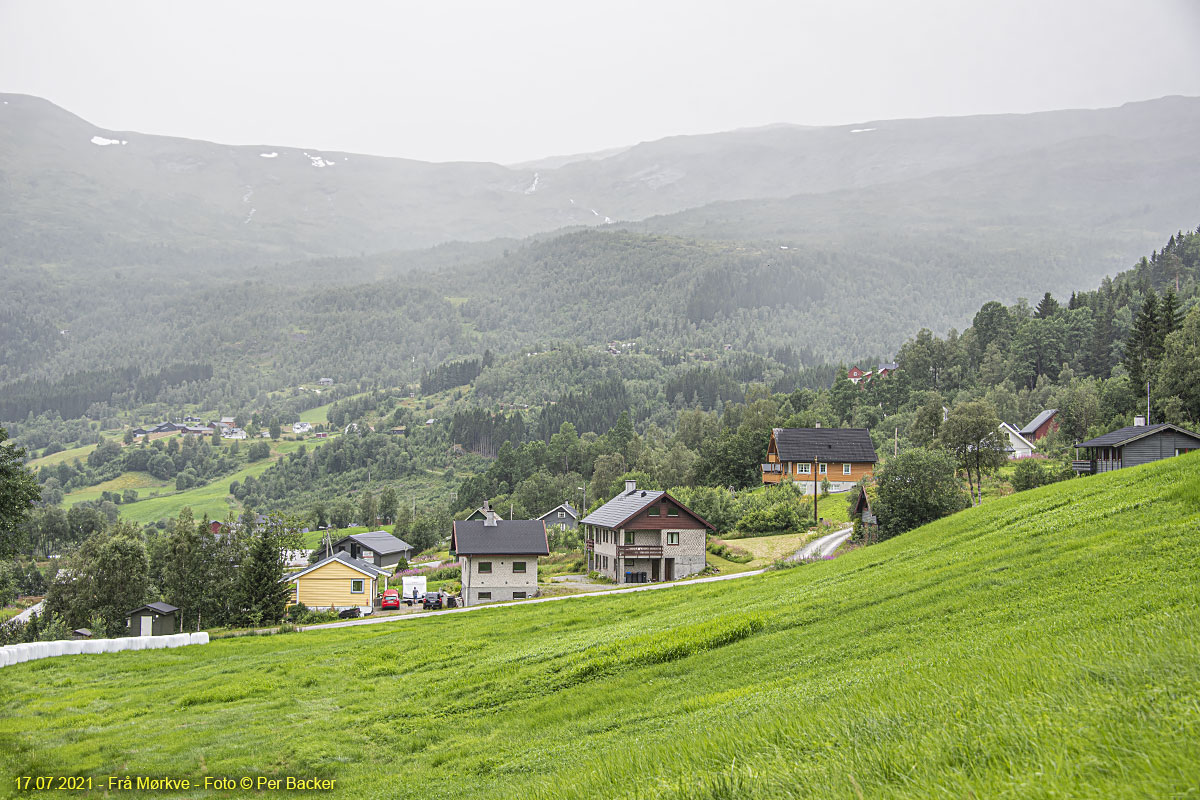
<point>433,601</point>
<point>350,613</point>
<point>391,599</point>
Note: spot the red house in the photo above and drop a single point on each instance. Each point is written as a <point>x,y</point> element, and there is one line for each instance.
<point>1042,425</point>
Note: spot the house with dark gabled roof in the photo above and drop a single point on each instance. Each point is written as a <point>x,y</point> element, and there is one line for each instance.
<point>1042,425</point>
<point>339,582</point>
<point>1129,447</point>
<point>376,547</point>
<point>808,456</point>
<point>564,516</point>
<point>499,557</point>
<point>644,536</point>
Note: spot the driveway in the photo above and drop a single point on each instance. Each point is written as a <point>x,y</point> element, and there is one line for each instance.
<point>825,546</point>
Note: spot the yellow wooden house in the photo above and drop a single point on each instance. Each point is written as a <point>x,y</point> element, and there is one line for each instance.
<point>339,581</point>
<point>807,457</point>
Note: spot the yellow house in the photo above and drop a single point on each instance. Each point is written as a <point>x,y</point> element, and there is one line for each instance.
<point>339,581</point>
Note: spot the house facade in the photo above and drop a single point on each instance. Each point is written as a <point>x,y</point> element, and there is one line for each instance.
<point>376,547</point>
<point>339,582</point>
<point>565,516</point>
<point>1018,445</point>
<point>1129,447</point>
<point>808,456</point>
<point>1042,425</point>
<point>152,619</point>
<point>499,557</point>
<point>643,536</point>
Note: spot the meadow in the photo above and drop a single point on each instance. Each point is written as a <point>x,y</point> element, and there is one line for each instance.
<point>1042,645</point>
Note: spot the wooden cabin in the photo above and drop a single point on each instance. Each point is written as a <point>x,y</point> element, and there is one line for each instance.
<point>807,456</point>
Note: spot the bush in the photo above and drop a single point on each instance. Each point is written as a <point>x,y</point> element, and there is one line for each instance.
<point>729,552</point>
<point>258,451</point>
<point>1028,474</point>
<point>917,487</point>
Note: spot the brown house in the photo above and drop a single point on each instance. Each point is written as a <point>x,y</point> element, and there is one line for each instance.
<point>641,536</point>
<point>808,456</point>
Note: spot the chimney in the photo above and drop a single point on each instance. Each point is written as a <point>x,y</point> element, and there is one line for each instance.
<point>630,487</point>
<point>1139,421</point>
<point>818,424</point>
<point>489,516</point>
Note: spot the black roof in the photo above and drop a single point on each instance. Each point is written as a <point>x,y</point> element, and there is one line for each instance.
<point>524,537</point>
<point>380,542</point>
<point>1128,434</point>
<point>825,444</point>
<point>158,608</point>
<point>1038,421</point>
<point>622,507</point>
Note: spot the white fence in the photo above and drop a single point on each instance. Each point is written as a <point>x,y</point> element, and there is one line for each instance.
<point>17,653</point>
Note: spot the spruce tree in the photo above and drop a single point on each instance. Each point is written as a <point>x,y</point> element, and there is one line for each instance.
<point>1047,307</point>
<point>1169,317</point>
<point>263,592</point>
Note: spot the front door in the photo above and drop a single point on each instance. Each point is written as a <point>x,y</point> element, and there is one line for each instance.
<point>147,625</point>
<point>654,570</point>
<point>670,569</point>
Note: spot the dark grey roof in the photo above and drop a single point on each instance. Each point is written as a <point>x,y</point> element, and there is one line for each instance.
<point>565,507</point>
<point>1126,435</point>
<point>158,608</point>
<point>345,558</point>
<point>378,541</point>
<point>1038,421</point>
<point>621,508</point>
<point>825,444</point>
<point>525,537</point>
<point>891,365</point>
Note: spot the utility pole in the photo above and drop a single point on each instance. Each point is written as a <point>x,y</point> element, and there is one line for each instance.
<point>815,521</point>
<point>1147,402</point>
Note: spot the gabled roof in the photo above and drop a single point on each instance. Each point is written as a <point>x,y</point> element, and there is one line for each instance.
<point>1133,433</point>
<point>825,444</point>
<point>1011,430</point>
<point>628,504</point>
<point>157,608</point>
<point>518,537</point>
<point>378,541</point>
<point>564,507</point>
<point>889,366</point>
<point>370,570</point>
<point>1039,421</point>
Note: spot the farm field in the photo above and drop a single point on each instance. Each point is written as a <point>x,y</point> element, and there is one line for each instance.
<point>1042,645</point>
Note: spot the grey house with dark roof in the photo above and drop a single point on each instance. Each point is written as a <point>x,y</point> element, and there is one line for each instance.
<point>376,547</point>
<point>499,557</point>
<point>1132,446</point>
<point>645,536</point>
<point>808,456</point>
<point>564,516</point>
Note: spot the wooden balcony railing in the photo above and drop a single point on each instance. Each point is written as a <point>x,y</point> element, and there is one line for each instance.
<point>1083,467</point>
<point>640,551</point>
<point>776,468</point>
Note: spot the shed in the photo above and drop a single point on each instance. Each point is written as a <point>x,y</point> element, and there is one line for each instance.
<point>153,619</point>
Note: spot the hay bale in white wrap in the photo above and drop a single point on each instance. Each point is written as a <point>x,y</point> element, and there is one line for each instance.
<point>199,638</point>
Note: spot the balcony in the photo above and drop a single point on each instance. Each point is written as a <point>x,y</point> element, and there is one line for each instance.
<point>639,551</point>
<point>775,468</point>
<point>1083,467</point>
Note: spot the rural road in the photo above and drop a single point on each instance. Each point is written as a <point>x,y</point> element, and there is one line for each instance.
<point>642,587</point>
<point>24,616</point>
<point>819,548</point>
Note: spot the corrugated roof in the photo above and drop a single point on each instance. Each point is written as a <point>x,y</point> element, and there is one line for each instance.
<point>1126,435</point>
<point>525,537</point>
<point>379,542</point>
<point>825,444</point>
<point>621,508</point>
<point>1038,421</point>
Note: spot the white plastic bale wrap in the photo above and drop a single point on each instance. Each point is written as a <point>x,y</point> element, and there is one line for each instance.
<point>20,653</point>
<point>199,638</point>
<point>40,650</point>
<point>3,657</point>
<point>56,648</point>
<point>177,640</point>
<point>91,646</point>
<point>72,648</point>
<point>156,642</point>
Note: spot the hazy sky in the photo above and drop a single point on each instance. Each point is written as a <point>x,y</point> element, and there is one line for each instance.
<point>511,81</point>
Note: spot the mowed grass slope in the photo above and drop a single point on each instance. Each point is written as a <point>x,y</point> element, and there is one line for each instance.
<point>1044,645</point>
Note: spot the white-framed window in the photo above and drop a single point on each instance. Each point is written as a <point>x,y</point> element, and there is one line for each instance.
<point>518,595</point>
<point>368,555</point>
<point>805,469</point>
<point>672,511</point>
<point>518,566</point>
<point>845,469</point>
<point>356,586</point>
<point>823,469</point>
<point>562,515</point>
<point>673,537</point>
<point>485,595</point>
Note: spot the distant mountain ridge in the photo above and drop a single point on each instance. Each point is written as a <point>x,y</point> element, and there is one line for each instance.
<point>76,193</point>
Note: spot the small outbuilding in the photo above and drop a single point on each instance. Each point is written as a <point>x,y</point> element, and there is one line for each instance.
<point>153,619</point>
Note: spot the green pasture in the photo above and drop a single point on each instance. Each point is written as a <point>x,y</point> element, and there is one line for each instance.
<point>1043,645</point>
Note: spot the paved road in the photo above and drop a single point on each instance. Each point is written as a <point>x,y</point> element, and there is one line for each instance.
<point>24,616</point>
<point>819,548</point>
<point>642,587</point>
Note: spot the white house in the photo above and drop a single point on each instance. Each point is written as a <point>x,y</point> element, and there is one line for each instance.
<point>301,427</point>
<point>499,557</point>
<point>1018,445</point>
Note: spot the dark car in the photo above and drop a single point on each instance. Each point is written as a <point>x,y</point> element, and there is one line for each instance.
<point>433,601</point>
<point>350,613</point>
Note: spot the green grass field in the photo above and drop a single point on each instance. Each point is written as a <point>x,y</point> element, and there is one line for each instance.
<point>1044,645</point>
<point>53,459</point>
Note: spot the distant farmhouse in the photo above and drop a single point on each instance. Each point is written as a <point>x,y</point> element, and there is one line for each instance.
<point>326,381</point>
<point>1042,425</point>
<point>1137,444</point>
<point>301,427</point>
<point>858,375</point>
<point>376,547</point>
<point>645,536</point>
<point>564,516</point>
<point>807,456</point>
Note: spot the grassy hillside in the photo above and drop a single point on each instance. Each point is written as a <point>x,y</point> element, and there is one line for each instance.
<point>1043,645</point>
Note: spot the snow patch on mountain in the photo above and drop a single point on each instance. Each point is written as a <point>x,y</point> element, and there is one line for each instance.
<point>863,130</point>
<point>249,216</point>
<point>102,142</point>
<point>268,155</point>
<point>249,193</point>
<point>319,161</point>
<point>533,186</point>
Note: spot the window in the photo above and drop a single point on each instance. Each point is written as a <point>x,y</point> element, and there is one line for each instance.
<point>654,511</point>
<point>805,469</point>
<point>518,595</point>
<point>485,567</point>
<point>673,537</point>
<point>518,566</point>
<point>672,512</point>
<point>562,514</point>
<point>485,595</point>
<point>824,469</point>
<point>606,562</point>
<point>356,586</point>
<point>845,469</point>
<point>628,537</point>
<point>368,555</point>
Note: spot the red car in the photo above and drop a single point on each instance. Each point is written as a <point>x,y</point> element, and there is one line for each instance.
<point>391,599</point>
